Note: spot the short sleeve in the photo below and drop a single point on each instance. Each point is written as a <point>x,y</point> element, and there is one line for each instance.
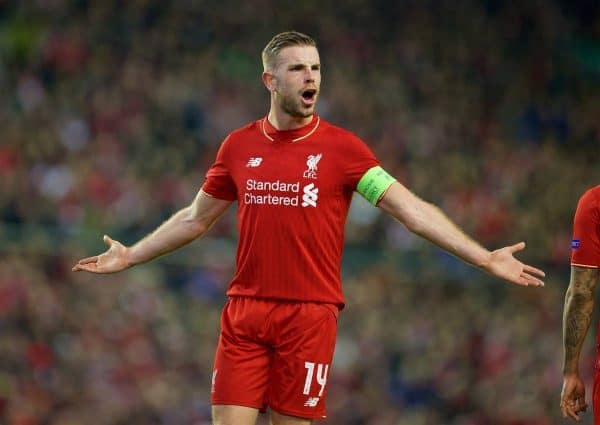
<point>359,159</point>
<point>585,246</point>
<point>219,183</point>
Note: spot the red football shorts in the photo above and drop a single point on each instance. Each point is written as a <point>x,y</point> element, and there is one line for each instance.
<point>596,393</point>
<point>276,354</point>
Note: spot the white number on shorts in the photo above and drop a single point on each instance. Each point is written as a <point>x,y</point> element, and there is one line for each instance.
<point>322,370</point>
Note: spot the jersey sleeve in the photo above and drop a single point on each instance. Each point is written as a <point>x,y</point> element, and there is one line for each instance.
<point>585,246</point>
<point>219,183</point>
<point>359,160</point>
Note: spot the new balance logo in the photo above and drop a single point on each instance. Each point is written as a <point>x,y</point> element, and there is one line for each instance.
<point>254,162</point>
<point>310,195</point>
<point>312,402</point>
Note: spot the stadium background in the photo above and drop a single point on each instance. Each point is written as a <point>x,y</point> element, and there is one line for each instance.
<point>111,112</point>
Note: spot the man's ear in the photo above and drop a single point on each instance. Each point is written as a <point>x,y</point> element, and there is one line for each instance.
<point>269,81</point>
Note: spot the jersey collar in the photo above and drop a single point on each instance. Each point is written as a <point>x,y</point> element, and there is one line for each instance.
<point>294,135</point>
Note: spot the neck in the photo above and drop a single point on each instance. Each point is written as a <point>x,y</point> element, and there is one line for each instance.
<point>283,121</point>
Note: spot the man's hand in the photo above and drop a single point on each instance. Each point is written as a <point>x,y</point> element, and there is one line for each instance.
<point>572,397</point>
<point>504,265</point>
<point>115,259</point>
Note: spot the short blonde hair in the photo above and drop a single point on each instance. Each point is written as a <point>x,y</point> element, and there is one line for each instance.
<point>279,42</point>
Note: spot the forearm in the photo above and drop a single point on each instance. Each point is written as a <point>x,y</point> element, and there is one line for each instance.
<point>177,231</point>
<point>429,222</point>
<point>577,316</point>
<point>576,322</point>
<point>433,225</point>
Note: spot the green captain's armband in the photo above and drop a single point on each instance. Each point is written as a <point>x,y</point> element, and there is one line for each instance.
<point>374,184</point>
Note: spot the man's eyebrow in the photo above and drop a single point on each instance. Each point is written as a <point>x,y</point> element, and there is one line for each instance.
<point>302,65</point>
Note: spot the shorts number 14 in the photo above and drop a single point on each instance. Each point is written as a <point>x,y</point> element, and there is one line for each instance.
<point>322,370</point>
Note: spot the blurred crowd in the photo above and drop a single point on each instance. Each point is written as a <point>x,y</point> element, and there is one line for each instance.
<point>111,113</point>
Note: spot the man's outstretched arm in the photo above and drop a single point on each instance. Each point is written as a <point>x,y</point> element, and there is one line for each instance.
<point>429,222</point>
<point>577,316</point>
<point>183,227</point>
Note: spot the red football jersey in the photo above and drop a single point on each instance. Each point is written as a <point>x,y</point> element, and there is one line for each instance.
<point>585,246</point>
<point>293,190</point>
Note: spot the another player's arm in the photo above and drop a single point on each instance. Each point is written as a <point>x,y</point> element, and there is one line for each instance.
<point>577,315</point>
<point>183,227</point>
<point>429,222</point>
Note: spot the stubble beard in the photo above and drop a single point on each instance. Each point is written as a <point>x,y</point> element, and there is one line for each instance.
<point>296,109</point>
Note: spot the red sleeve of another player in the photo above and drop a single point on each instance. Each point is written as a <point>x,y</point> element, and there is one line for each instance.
<point>219,183</point>
<point>359,159</point>
<point>585,246</point>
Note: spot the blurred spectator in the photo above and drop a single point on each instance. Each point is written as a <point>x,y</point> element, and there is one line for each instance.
<point>112,113</point>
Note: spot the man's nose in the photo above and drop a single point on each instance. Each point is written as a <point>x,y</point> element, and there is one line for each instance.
<point>309,76</point>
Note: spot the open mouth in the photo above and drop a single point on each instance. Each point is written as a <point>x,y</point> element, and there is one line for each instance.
<point>309,95</point>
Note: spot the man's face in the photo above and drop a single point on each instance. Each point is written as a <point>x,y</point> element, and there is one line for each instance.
<point>297,79</point>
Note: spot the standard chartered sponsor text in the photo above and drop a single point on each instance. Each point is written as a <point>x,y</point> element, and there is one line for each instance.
<point>288,193</point>
<point>269,199</point>
<point>277,186</point>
